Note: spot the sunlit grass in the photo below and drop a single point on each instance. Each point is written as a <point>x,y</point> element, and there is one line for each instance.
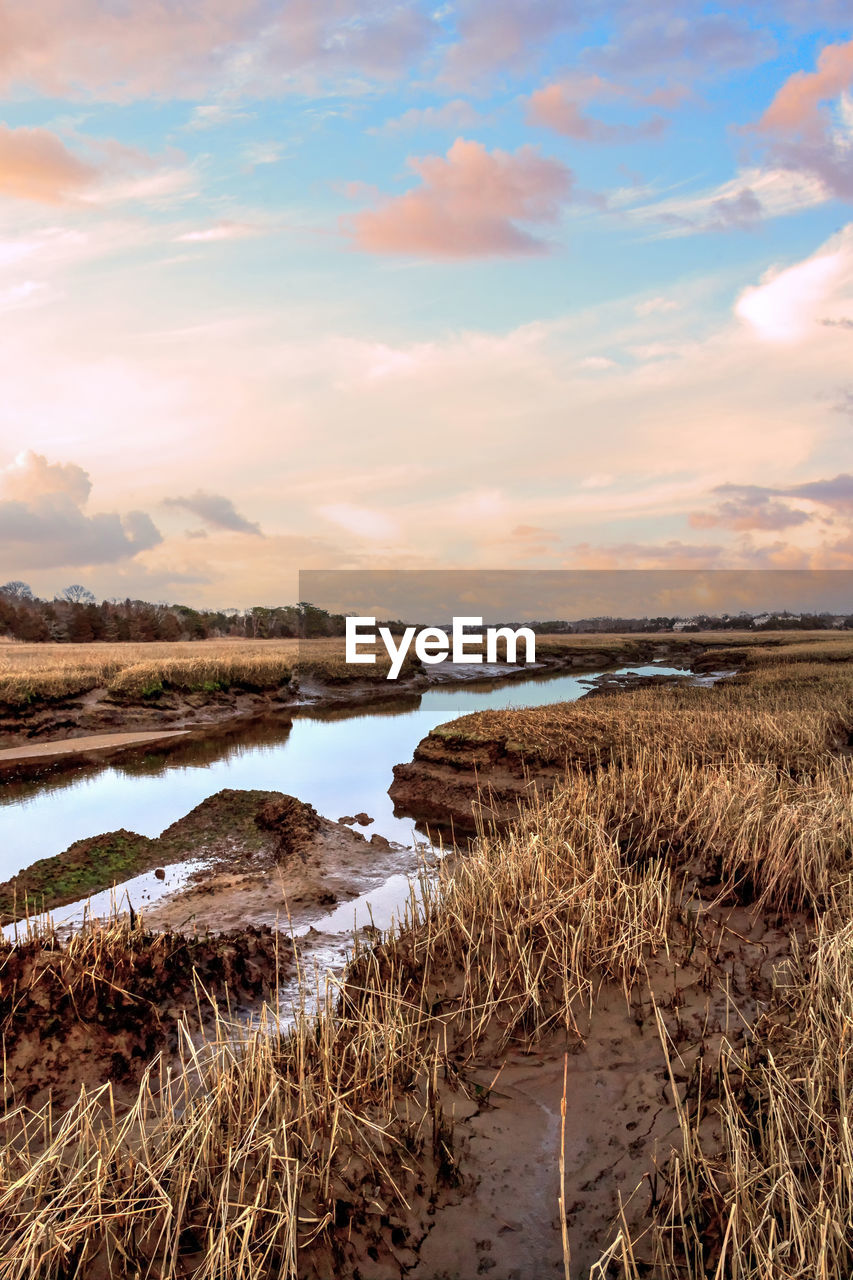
<point>237,1163</point>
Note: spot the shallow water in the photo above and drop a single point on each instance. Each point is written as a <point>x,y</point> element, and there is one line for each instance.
<point>339,760</point>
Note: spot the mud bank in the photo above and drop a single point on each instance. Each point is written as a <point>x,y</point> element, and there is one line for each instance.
<point>625,1066</point>
<point>260,854</point>
<point>101,1006</point>
<point>502,1219</point>
<point>481,768</point>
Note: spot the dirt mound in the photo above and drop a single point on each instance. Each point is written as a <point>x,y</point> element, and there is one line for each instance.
<point>292,822</point>
<point>101,1004</point>
<point>232,828</point>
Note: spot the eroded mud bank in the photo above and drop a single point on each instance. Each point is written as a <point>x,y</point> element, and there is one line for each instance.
<point>260,857</point>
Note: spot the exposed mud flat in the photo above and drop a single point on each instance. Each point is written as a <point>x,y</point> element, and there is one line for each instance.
<point>290,889</point>
<point>262,855</point>
<point>492,1207</point>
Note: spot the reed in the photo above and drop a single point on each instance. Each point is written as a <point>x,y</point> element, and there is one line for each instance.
<point>264,1149</point>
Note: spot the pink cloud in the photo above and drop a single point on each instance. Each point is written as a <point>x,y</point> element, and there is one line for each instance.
<point>635,555</point>
<point>557,108</point>
<point>495,33</point>
<point>141,48</point>
<point>35,165</point>
<point>470,204</point>
<point>795,106</point>
<point>803,135</point>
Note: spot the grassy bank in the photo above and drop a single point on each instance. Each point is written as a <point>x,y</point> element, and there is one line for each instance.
<point>36,674</point>
<point>321,1150</point>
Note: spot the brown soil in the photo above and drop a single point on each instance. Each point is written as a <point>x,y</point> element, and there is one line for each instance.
<point>72,1015</point>
<point>302,879</point>
<point>265,857</point>
<point>492,1207</point>
<point>453,781</point>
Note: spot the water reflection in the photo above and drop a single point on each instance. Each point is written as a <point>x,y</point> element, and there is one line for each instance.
<point>338,759</point>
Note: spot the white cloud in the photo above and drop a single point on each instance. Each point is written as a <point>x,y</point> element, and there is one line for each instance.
<point>656,306</point>
<point>220,231</point>
<point>787,304</point>
<point>775,193</point>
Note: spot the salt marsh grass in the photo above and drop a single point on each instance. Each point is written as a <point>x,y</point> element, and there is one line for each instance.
<point>249,1155</point>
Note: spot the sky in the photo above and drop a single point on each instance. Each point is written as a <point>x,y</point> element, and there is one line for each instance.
<point>366,284</point>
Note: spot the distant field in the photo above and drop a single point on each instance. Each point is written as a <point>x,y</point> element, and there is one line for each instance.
<point>31,673</point>
<point>50,672</point>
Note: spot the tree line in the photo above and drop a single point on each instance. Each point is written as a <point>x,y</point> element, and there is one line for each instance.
<point>74,616</point>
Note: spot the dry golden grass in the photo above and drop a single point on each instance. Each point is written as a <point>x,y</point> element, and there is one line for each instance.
<point>48,672</point>
<point>773,1198</point>
<point>36,673</point>
<point>234,1165</point>
<point>772,716</point>
<point>261,1132</point>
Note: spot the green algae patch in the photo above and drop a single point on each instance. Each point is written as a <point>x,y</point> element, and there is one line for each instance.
<point>232,827</point>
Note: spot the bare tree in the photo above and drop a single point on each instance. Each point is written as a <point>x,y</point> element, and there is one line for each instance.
<point>75,594</point>
<point>17,590</point>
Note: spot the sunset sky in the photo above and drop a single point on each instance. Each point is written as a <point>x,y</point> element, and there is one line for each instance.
<point>365,284</point>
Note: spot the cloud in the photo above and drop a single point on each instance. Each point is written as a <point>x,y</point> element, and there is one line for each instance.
<point>258,153</point>
<point>783,307</point>
<point>656,306</point>
<point>212,115</point>
<point>836,493</point>
<point>166,48</point>
<point>503,33</point>
<point>741,210</point>
<point>219,231</point>
<point>597,363</point>
<point>35,165</point>
<point>634,555</point>
<point>216,510</point>
<point>43,525</point>
<point>473,203</point>
<point>797,104</point>
<point>555,107</point>
<point>752,195</point>
<point>453,115</point>
<point>746,507</point>
<point>663,41</point>
<point>749,507</point>
<point>803,134</point>
<point>31,476</point>
<point>364,522</point>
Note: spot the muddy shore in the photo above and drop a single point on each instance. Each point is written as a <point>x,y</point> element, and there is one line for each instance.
<point>258,857</point>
